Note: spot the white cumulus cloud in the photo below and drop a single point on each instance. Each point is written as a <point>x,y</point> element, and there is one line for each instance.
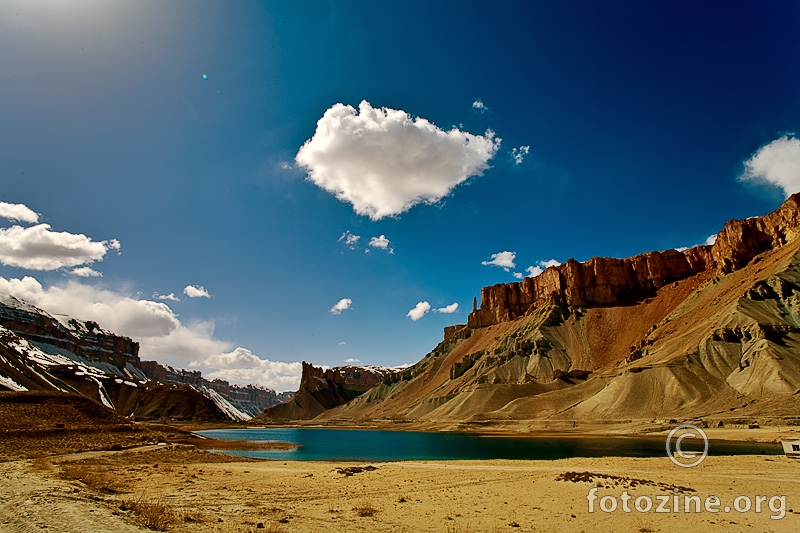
<point>448,309</point>
<point>382,243</point>
<point>777,163</point>
<point>86,272</point>
<point>519,153</point>
<point>196,291</point>
<point>342,305</point>
<point>352,360</point>
<point>419,311</point>
<point>243,366</point>
<point>505,260</point>
<point>39,248</point>
<point>18,213</point>
<point>383,161</point>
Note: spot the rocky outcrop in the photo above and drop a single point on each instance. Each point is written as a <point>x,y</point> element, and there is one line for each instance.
<point>169,374</point>
<point>741,240</point>
<point>449,331</point>
<point>322,389</point>
<point>605,281</point>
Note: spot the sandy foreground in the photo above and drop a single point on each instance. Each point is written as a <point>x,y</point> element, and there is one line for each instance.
<point>194,490</point>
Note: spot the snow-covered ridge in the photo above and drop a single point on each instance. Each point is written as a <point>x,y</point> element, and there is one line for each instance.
<point>21,305</point>
<point>223,404</point>
<point>58,352</point>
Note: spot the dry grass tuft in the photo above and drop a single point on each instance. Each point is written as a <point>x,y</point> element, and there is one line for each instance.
<point>365,509</point>
<point>155,514</point>
<point>97,478</point>
<point>42,462</point>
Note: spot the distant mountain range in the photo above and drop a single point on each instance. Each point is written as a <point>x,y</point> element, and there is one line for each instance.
<point>710,333</point>
<point>44,352</point>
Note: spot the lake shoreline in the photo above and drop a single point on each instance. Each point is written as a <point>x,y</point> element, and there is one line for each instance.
<point>769,434</point>
<point>337,444</point>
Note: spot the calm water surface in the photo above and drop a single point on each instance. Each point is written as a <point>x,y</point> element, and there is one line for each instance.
<point>326,444</point>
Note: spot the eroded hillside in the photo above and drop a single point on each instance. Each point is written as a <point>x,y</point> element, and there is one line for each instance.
<point>711,332</point>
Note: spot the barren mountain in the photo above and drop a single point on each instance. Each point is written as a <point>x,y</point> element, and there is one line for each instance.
<point>323,389</point>
<point>709,332</point>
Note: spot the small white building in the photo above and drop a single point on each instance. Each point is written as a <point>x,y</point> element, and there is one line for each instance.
<point>791,448</point>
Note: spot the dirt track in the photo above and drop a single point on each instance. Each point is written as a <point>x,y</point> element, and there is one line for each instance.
<point>32,500</point>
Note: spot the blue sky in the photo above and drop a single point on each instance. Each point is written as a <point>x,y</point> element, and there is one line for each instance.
<point>160,142</point>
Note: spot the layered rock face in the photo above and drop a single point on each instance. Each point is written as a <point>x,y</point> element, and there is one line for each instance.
<point>169,374</point>
<point>605,281</point>
<point>84,339</point>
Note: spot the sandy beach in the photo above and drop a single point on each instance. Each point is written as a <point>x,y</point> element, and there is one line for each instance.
<point>195,490</point>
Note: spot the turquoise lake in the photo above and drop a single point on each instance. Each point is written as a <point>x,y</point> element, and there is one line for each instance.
<point>325,444</point>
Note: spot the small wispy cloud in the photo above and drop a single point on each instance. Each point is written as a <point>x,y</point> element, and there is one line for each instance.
<point>479,106</point>
<point>342,305</point>
<point>285,165</point>
<point>169,297</point>
<point>504,260</point>
<point>352,360</point>
<point>196,291</point>
<point>86,272</point>
<point>419,311</point>
<point>519,153</point>
<point>350,240</point>
<point>448,309</point>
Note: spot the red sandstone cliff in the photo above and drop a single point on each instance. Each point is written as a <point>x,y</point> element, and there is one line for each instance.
<point>605,281</point>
